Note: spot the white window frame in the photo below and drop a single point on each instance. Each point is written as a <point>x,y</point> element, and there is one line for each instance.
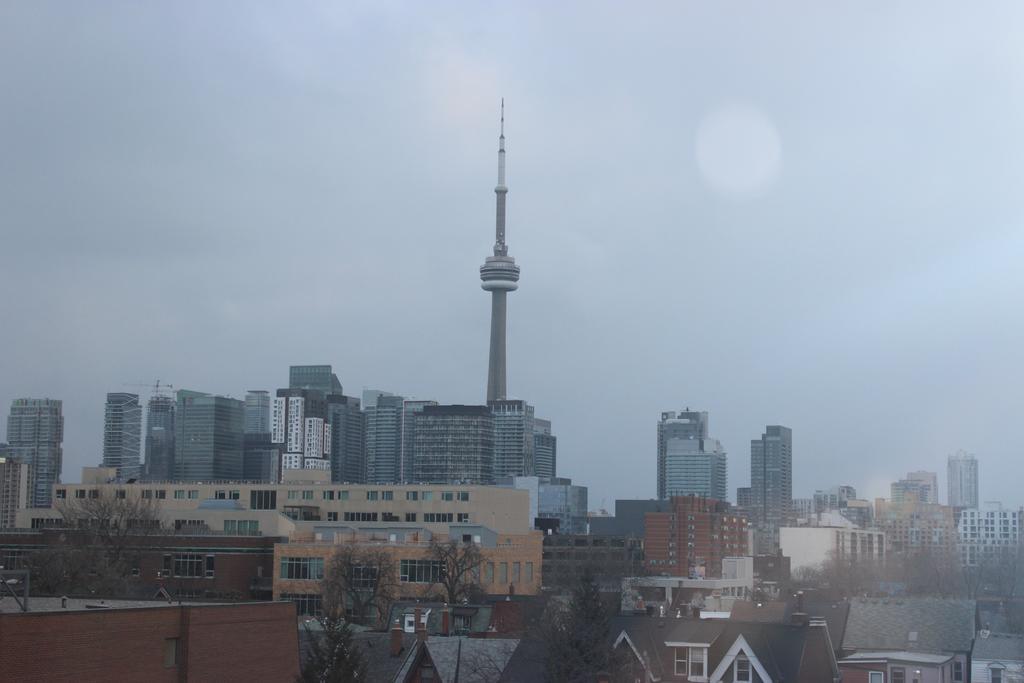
<point>685,661</point>
<point>703,663</point>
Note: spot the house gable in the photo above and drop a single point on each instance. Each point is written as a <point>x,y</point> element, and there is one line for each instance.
<point>738,646</point>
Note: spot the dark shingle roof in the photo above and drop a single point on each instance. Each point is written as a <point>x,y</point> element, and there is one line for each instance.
<point>1004,647</point>
<point>912,624</point>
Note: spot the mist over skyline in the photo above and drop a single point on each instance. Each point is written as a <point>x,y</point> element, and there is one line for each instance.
<point>787,214</point>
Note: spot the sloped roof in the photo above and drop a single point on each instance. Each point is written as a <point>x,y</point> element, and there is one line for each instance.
<point>761,612</point>
<point>912,624</point>
<point>1005,647</point>
<point>470,660</point>
<point>788,652</point>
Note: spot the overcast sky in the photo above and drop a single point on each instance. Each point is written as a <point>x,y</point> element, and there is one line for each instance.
<point>806,214</point>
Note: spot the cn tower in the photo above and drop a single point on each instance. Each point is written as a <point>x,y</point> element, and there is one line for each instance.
<point>499,275</point>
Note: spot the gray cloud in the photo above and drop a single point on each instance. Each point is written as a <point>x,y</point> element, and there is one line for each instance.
<point>206,193</point>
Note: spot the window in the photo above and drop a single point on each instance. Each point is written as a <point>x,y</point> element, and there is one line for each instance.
<point>371,495</point>
<point>147,494</point>
<point>412,495</point>
<point>94,493</point>
<point>328,495</point>
<point>161,494</point>
<point>419,571</point>
<point>995,675</point>
<point>427,495</point>
<point>209,566</point>
<point>263,500</point>
<point>306,604</point>
<point>463,496</point>
<point>332,516</point>
<point>681,661</point>
<point>503,573</point>
<point>516,571</point>
<point>170,653</point>
<point>307,495</point>
<point>958,670</point>
<point>898,675</point>
<point>438,517</point>
<point>410,516</point>
<point>742,669</point>
<point>62,493</point>
<point>387,495</point>
<point>235,495</point>
<point>80,493</point>
<point>193,494</point>
<point>188,565</point>
<point>697,664</point>
<point>529,572</point>
<point>360,516</point>
<point>302,568</point>
<point>463,517</point>
<point>119,494</point>
<point>293,495</point>
<point>220,495</point>
<point>364,578</point>
<point>179,494</point>
<point>876,677</point>
<point>447,495</point>
<point>342,495</point>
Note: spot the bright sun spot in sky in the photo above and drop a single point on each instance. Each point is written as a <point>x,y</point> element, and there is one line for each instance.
<point>739,152</point>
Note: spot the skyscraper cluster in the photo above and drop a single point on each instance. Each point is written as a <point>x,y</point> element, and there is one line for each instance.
<point>311,426</point>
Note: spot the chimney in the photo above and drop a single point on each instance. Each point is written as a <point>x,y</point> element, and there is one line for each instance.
<point>421,628</point>
<point>396,639</point>
<point>444,622</point>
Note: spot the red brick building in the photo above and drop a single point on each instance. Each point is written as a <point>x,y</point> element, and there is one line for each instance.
<point>189,566</point>
<point>693,537</point>
<point>170,642</point>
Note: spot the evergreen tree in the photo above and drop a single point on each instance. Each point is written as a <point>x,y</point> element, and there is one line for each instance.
<point>578,636</point>
<point>333,657</point>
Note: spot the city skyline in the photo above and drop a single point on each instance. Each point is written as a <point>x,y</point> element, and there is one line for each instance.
<point>650,260</point>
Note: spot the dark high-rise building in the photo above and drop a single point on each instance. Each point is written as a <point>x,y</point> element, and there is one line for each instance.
<point>318,377</point>
<point>122,434</point>
<point>257,412</point>
<point>261,460</point>
<point>384,439</point>
<point>545,448</point>
<point>689,462</point>
<point>771,484</point>
<point>348,439</point>
<point>35,432</point>
<point>410,409</point>
<point>209,440</point>
<point>514,432</point>
<point>160,435</point>
<point>298,425</point>
<point>454,444</point>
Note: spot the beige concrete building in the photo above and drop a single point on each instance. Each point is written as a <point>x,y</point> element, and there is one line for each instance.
<point>14,476</point>
<point>431,506</point>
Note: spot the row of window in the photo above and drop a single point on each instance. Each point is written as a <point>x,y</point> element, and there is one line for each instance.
<point>304,568</point>
<point>264,499</point>
<point>428,517</point>
<point>189,566</point>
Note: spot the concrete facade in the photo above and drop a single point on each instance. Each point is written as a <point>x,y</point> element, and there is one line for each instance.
<point>810,547</point>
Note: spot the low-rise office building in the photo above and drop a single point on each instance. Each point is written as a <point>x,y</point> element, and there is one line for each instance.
<point>511,562</point>
<point>810,547</point>
<point>434,506</point>
<point>607,559</point>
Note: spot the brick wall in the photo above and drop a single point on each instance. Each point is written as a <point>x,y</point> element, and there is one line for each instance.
<point>244,642</point>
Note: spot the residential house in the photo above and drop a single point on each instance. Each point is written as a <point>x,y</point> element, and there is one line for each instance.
<point>904,640</point>
<point>997,658</point>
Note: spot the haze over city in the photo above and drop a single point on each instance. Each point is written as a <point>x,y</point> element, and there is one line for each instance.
<point>786,215</point>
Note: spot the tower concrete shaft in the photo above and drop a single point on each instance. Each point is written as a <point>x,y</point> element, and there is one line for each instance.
<point>499,275</point>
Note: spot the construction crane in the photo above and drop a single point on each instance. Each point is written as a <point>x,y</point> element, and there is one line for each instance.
<point>156,388</point>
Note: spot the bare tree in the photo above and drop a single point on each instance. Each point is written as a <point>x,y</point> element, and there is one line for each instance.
<point>460,568</point>
<point>98,546</point>
<point>360,582</point>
